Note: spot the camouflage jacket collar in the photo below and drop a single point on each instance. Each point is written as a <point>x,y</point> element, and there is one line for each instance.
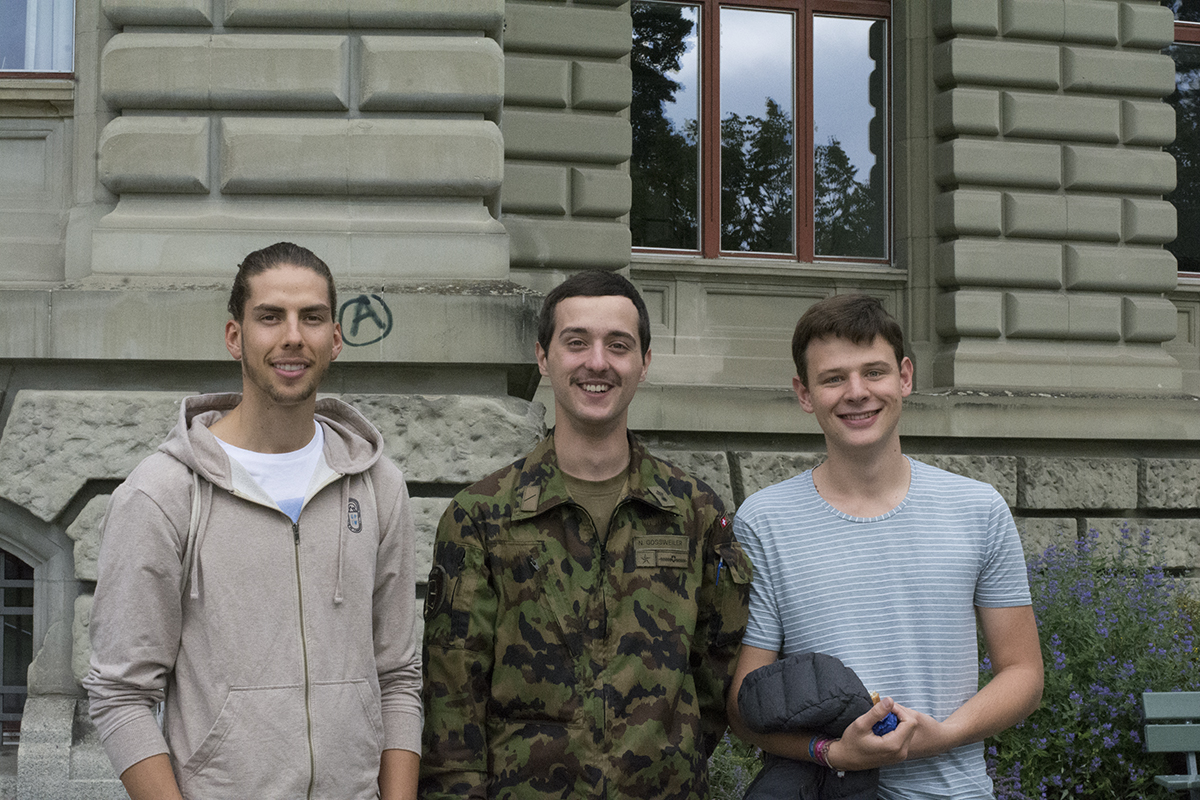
<point>541,485</point>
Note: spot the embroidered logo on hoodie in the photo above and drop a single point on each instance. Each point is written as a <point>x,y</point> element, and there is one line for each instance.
<point>353,516</point>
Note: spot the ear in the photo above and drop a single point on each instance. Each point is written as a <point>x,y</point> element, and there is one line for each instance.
<point>233,339</point>
<point>645,365</point>
<point>541,359</point>
<point>337,340</point>
<point>802,394</point>
<point>906,377</point>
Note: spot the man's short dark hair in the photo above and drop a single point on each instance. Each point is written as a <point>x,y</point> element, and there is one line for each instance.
<point>855,317</point>
<point>593,283</point>
<point>277,255</point>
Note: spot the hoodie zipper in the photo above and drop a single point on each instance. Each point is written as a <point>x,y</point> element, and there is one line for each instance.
<point>312,762</point>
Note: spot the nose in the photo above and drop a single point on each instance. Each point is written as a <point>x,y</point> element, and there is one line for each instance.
<point>856,387</point>
<point>292,330</point>
<point>595,358</point>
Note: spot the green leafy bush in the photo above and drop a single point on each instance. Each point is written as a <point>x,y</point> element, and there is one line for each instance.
<point>1112,626</point>
<point>732,767</point>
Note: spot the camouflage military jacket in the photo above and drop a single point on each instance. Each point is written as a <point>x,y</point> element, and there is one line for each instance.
<point>562,664</point>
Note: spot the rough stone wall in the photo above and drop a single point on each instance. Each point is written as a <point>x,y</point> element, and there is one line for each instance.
<point>392,109</point>
<point>1046,154</point>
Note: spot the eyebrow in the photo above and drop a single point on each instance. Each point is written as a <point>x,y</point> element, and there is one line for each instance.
<point>577,331</point>
<point>304,310</point>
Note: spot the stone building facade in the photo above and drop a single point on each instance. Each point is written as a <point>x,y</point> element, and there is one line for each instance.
<point>454,159</point>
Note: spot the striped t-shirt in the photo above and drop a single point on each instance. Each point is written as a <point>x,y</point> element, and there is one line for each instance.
<point>892,596</point>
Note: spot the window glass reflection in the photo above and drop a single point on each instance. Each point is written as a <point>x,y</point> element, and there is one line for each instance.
<point>664,114</point>
<point>1184,10</point>
<point>1186,149</point>
<point>757,152</point>
<point>849,168</point>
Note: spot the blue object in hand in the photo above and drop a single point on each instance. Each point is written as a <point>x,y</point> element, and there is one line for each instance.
<point>885,725</point>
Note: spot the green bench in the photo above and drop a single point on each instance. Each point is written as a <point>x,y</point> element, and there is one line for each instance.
<point>1173,726</point>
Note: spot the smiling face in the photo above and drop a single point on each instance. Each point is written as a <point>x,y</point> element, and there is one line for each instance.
<point>855,391</point>
<point>286,338</point>
<point>594,363</point>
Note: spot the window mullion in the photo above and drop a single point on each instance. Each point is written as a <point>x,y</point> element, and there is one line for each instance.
<point>710,138</point>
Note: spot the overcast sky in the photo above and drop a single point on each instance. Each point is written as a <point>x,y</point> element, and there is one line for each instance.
<point>757,62</point>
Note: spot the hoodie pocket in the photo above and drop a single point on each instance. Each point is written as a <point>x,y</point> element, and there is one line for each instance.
<point>257,747</point>
<point>347,726</point>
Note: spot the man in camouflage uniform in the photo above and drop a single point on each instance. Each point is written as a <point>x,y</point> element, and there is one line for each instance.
<point>586,603</point>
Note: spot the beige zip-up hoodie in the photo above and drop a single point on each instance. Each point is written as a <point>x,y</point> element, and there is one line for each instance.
<point>287,654</point>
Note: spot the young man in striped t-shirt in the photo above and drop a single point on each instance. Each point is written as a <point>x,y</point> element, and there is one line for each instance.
<point>887,564</point>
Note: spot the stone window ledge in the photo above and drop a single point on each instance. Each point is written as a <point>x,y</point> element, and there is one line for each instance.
<point>37,97</point>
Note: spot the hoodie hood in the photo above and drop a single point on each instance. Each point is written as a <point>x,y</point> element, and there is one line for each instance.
<point>352,444</point>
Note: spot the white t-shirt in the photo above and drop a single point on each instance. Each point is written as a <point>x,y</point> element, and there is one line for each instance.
<point>283,476</point>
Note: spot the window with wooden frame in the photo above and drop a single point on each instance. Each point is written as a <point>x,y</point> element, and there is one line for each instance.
<point>761,128</point>
<point>37,38</point>
<point>1186,147</point>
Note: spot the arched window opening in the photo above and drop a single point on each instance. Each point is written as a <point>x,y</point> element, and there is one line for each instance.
<point>16,644</point>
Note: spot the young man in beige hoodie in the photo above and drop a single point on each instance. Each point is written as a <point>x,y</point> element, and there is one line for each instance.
<point>257,571</point>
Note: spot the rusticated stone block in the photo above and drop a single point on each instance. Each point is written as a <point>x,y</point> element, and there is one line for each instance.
<point>760,470</point>
<point>226,71</point>
<point>1096,219</point>
<point>1146,25</point>
<point>1094,316</point>
<point>55,441</point>
<point>998,471</point>
<point>951,17</point>
<point>1168,542</point>
<point>1118,170</point>
<point>710,466</point>
<point>431,73</point>
<point>967,212</point>
<point>990,262</point>
<point>1169,483</point>
<point>1084,483</point>
<point>452,438</point>
<point>1105,71</point>
<point>1036,166</point>
<point>1036,315</point>
<point>595,138</point>
<point>416,157</point>
<point>1129,269</point>
<point>996,62</point>
<point>970,313</point>
<point>1093,21</point>
<point>1032,19</point>
<point>1147,221</point>
<point>427,511</point>
<point>155,154</point>
<point>1038,533</point>
<point>159,12</point>
<point>599,192</point>
<point>967,111</point>
<point>463,15</point>
<point>601,86</point>
<point>542,82</point>
<point>1147,122</point>
<point>576,244</point>
<point>1037,216</point>
<point>1149,319</point>
<point>1052,116</point>
<point>572,30</point>
<point>535,189</point>
<point>85,532</point>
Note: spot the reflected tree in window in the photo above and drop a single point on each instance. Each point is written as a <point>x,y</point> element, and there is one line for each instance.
<point>1186,150</point>
<point>665,163</point>
<point>1184,10</point>
<point>757,181</point>
<point>845,210</point>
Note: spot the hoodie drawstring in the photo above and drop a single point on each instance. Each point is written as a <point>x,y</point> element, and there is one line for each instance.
<point>197,524</point>
<point>342,526</point>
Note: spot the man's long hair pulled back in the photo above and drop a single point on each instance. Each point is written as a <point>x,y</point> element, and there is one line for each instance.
<point>277,255</point>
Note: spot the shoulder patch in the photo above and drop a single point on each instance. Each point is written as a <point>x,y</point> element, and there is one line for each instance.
<point>435,591</point>
<point>353,516</point>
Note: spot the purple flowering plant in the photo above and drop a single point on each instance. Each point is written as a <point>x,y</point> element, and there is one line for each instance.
<point>732,768</point>
<point>1112,625</point>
